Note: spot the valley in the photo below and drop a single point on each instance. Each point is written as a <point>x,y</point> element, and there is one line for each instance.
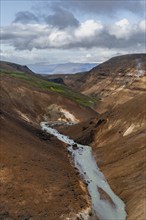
<point>103,108</point>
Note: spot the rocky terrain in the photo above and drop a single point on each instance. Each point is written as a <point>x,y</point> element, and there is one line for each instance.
<point>116,81</point>
<point>38,178</point>
<point>112,82</point>
<point>120,152</point>
<point>118,140</point>
<point>33,99</point>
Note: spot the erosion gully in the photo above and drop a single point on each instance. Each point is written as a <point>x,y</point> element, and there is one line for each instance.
<point>104,209</point>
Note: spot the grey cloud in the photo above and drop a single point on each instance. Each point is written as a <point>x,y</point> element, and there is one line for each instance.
<point>111,42</point>
<point>62,18</point>
<point>44,36</point>
<point>25,17</point>
<point>107,41</point>
<point>99,6</point>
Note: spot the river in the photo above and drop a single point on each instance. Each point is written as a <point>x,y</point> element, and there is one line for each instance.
<point>110,207</point>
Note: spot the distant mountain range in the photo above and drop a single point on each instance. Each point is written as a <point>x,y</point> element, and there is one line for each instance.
<point>63,68</point>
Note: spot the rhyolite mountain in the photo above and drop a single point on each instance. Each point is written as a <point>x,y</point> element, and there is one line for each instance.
<point>113,82</point>
<point>36,171</point>
<point>21,89</point>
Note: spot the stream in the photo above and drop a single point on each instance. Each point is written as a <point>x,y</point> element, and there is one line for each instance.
<point>109,207</point>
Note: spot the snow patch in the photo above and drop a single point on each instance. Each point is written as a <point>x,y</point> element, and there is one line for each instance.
<point>23,116</point>
<point>58,113</point>
<point>69,116</point>
<point>129,130</point>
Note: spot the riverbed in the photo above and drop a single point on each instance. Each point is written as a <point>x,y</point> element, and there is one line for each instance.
<point>107,207</point>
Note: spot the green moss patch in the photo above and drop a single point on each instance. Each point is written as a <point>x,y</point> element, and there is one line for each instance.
<point>35,81</point>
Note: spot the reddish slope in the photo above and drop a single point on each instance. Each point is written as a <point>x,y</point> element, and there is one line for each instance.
<point>112,82</point>
<point>116,80</point>
<point>119,146</point>
<point>118,140</point>
<point>37,179</point>
<point>34,104</point>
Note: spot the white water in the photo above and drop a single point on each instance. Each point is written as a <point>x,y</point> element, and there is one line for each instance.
<point>86,164</point>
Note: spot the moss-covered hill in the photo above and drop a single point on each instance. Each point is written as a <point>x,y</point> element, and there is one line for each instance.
<point>33,80</point>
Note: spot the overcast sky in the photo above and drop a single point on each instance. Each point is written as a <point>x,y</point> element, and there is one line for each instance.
<point>71,31</point>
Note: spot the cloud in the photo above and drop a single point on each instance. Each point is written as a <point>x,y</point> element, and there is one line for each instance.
<point>25,17</point>
<point>142,25</point>
<point>123,29</point>
<point>62,19</point>
<point>72,31</point>
<point>100,7</point>
<point>88,29</point>
<point>89,34</point>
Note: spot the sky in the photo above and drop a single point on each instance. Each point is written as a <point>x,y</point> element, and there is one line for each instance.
<point>59,31</point>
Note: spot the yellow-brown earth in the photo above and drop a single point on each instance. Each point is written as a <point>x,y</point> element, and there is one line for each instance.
<point>38,181</point>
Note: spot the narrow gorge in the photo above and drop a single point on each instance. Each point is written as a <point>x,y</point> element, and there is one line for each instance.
<point>111,207</point>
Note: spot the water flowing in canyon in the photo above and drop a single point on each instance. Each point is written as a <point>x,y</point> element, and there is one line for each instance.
<point>106,205</point>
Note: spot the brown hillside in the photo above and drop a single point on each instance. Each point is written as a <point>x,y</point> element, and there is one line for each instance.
<point>34,105</point>
<point>37,180</point>
<point>8,66</point>
<point>116,81</point>
<point>119,147</point>
<point>118,138</point>
<point>112,82</point>
<point>36,171</point>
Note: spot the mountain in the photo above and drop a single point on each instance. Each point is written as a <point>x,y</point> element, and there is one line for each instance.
<point>64,68</point>
<point>37,170</point>
<point>73,81</point>
<point>112,82</point>
<point>119,146</point>
<point>8,66</point>
<point>118,134</point>
<point>116,81</point>
<point>20,92</point>
<point>118,141</point>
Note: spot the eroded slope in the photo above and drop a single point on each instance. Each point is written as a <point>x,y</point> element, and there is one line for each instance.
<point>37,180</point>
<point>119,147</point>
<point>118,138</point>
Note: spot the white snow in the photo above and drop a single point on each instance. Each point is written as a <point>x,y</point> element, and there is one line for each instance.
<point>129,130</point>
<point>23,116</point>
<point>86,164</point>
<point>69,116</point>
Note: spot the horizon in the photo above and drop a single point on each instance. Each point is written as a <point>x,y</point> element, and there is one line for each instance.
<point>66,68</point>
<point>47,63</point>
